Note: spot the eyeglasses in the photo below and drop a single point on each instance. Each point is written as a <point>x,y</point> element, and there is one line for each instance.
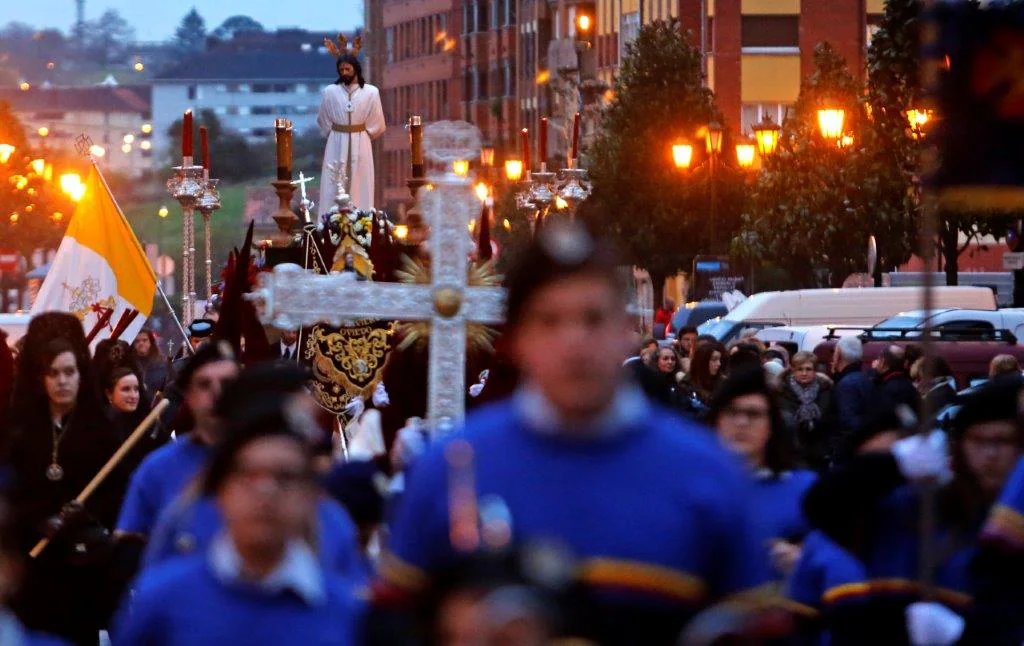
<point>750,414</point>
<point>284,479</point>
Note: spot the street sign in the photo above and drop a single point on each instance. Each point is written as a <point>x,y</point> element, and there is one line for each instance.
<point>164,266</point>
<point>1013,260</point>
<point>10,260</point>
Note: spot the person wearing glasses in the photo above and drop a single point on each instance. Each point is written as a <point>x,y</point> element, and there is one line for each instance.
<point>259,581</point>
<point>746,416</point>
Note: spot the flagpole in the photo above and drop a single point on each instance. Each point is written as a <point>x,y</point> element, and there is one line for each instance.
<point>159,289</point>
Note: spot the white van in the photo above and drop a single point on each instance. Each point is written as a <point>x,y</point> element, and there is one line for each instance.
<point>803,338</point>
<point>14,325</point>
<point>849,307</point>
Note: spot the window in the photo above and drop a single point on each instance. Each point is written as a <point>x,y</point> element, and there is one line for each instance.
<point>244,87</point>
<point>262,132</point>
<point>220,110</point>
<point>389,44</point>
<point>752,113</point>
<point>220,87</point>
<point>244,110</point>
<point>282,88</point>
<point>314,88</point>
<point>495,14</point>
<point>49,116</point>
<point>467,26</point>
<point>770,31</point>
<point>231,110</point>
<point>262,88</point>
<point>192,93</point>
<point>629,29</point>
<point>481,16</point>
<point>262,109</point>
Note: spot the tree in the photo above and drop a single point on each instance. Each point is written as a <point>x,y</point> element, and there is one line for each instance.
<point>234,160</point>
<point>237,25</point>
<point>659,218</point>
<point>108,38</point>
<point>190,36</point>
<point>815,205</point>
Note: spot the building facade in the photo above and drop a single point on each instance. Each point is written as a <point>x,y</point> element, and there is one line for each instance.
<point>246,90</point>
<point>115,118</point>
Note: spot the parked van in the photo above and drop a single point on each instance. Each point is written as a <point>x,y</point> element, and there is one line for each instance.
<point>14,325</point>
<point>802,338</point>
<point>849,307</point>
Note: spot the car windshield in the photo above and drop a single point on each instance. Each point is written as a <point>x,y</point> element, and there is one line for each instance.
<point>899,322</point>
<point>718,328</point>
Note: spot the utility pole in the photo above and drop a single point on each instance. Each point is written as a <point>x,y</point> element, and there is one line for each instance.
<point>80,22</point>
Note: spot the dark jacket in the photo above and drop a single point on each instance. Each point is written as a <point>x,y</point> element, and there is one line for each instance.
<point>853,390</point>
<point>896,388</point>
<point>814,438</point>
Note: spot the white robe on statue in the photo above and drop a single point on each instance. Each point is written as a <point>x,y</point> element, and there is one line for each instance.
<point>343,106</point>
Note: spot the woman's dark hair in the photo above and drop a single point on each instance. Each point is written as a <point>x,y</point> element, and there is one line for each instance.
<point>780,450</point>
<point>700,366</point>
<point>50,352</point>
<point>356,65</point>
<point>154,353</point>
<point>745,355</point>
<point>655,358</point>
<point>223,458</point>
<point>117,374</point>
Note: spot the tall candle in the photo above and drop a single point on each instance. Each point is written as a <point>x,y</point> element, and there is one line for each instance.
<point>187,148</point>
<point>526,150</point>
<point>575,137</point>
<point>204,147</point>
<point>283,131</point>
<point>542,142</point>
<point>416,144</point>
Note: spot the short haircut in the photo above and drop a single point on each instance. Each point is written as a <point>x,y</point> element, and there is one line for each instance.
<point>688,329</point>
<point>1004,364</point>
<point>894,357</point>
<point>803,357</point>
<point>561,250</point>
<point>850,348</point>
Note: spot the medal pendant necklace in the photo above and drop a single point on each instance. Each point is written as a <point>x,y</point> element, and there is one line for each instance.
<point>54,472</point>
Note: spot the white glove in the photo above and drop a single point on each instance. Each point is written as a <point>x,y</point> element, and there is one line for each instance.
<point>475,390</point>
<point>933,624</point>
<point>409,444</point>
<point>380,396</point>
<point>921,458</point>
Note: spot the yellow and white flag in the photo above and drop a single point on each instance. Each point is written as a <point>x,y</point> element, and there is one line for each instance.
<point>100,273</point>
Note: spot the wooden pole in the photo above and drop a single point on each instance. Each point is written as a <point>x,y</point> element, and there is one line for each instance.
<point>111,464</point>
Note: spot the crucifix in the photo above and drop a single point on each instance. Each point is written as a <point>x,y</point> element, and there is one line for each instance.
<point>306,205</point>
<point>292,297</point>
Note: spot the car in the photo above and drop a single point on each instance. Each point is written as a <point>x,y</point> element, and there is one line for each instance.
<point>852,307</point>
<point>951,319</point>
<point>968,351</point>
<point>694,313</point>
<point>801,338</point>
<point>14,325</point>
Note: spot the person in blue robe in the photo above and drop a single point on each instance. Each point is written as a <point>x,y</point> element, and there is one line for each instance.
<point>168,471</point>
<point>871,508</point>
<point>259,581</point>
<point>746,417</point>
<point>653,510</point>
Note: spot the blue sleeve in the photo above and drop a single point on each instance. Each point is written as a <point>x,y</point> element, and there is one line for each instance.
<point>339,541</point>
<point>419,540</point>
<point>805,585</point>
<point>743,564</point>
<point>1005,523</point>
<point>138,511</point>
<point>161,544</point>
<point>139,620</point>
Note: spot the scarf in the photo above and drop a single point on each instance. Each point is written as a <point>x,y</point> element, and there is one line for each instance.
<point>808,410</point>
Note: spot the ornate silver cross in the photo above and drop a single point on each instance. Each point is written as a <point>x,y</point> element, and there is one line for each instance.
<point>292,297</point>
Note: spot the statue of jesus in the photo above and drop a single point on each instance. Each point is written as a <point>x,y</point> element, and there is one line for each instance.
<point>350,117</point>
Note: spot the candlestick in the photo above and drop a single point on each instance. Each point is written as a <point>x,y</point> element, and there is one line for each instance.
<point>542,143</point>
<point>187,148</point>
<point>526,150</point>
<point>416,144</point>
<point>283,131</point>
<point>575,137</point>
<point>204,148</point>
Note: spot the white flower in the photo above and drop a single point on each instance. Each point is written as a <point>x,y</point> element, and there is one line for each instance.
<point>352,216</point>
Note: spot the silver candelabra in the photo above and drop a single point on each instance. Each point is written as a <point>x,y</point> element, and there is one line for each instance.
<point>207,203</point>
<point>187,185</point>
<point>541,191</point>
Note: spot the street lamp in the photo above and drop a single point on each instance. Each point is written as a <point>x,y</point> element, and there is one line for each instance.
<point>714,137</point>
<point>830,122</point>
<point>163,212</point>
<point>682,155</point>
<point>766,134</point>
<point>745,155</point>
<point>513,169</point>
<point>460,167</point>
<point>918,118</point>
<point>481,191</point>
<point>6,150</point>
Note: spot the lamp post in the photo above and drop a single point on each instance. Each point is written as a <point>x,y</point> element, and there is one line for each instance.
<point>766,134</point>
<point>830,123</point>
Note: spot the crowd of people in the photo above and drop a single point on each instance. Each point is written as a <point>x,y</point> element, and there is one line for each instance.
<point>698,494</point>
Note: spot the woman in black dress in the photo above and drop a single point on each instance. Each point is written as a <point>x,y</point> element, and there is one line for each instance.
<point>60,439</point>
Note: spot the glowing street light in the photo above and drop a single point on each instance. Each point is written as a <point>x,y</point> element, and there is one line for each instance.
<point>126,148</point>
<point>71,184</point>
<point>460,167</point>
<point>139,66</point>
<point>39,166</point>
<point>745,155</point>
<point>514,169</point>
<point>682,155</point>
<point>766,134</point>
<point>583,23</point>
<point>918,119</point>
<point>43,131</point>
<point>129,138</point>
<point>6,150</point>
<point>97,151</point>
<point>146,128</point>
<point>24,86</point>
<point>714,137</point>
<point>830,122</point>
<point>482,192</point>
<point>163,212</point>
<point>145,145</point>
